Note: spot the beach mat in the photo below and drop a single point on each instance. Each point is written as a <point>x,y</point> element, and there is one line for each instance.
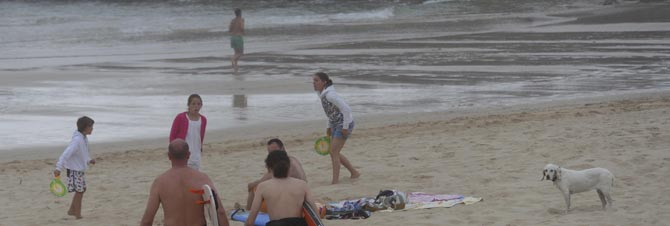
<point>439,204</point>
<point>242,215</point>
<point>311,216</point>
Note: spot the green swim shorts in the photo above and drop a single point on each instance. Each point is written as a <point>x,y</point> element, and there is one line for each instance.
<point>236,42</point>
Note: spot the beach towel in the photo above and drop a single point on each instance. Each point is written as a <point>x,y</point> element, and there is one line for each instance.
<point>421,200</point>
<point>241,215</point>
<point>436,204</point>
<point>471,200</point>
<point>421,197</point>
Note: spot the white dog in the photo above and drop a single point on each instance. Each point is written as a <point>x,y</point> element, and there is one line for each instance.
<point>572,181</point>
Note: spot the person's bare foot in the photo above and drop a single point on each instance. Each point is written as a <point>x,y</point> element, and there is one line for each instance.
<point>72,213</point>
<point>355,175</point>
<point>334,182</point>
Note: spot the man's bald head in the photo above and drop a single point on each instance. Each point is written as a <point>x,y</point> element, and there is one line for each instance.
<point>178,149</point>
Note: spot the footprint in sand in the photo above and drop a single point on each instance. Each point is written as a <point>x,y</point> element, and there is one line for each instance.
<point>449,155</point>
<point>555,211</point>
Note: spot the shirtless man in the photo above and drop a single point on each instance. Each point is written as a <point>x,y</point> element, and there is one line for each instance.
<point>284,195</point>
<point>236,29</point>
<point>171,189</point>
<point>295,171</point>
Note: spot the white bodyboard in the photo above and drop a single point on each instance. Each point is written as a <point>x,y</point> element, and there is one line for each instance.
<point>210,206</point>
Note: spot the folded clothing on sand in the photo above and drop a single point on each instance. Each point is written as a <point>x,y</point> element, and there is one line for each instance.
<point>387,199</point>
<point>348,209</point>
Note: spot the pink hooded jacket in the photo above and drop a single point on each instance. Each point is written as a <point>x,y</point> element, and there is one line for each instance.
<point>180,127</point>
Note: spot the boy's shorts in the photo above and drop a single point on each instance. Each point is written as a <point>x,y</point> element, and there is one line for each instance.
<point>76,182</point>
<point>337,131</point>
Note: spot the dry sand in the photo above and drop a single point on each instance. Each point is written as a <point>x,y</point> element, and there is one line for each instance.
<point>497,154</point>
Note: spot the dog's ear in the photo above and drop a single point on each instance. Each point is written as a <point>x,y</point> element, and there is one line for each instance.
<point>544,174</point>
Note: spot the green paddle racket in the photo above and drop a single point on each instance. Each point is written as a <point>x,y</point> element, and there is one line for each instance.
<point>57,187</point>
<point>322,146</point>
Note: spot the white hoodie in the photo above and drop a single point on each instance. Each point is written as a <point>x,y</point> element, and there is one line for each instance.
<point>342,107</point>
<point>75,156</point>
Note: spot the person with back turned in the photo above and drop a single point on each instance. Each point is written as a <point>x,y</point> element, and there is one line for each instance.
<point>172,190</point>
<point>236,29</point>
<point>284,195</point>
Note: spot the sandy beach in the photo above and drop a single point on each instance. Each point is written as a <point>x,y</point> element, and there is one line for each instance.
<point>498,106</point>
<point>496,154</point>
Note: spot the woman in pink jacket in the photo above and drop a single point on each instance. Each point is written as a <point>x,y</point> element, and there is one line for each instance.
<point>190,126</point>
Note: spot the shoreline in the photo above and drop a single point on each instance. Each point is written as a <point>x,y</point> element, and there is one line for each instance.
<point>444,70</point>
<point>312,128</point>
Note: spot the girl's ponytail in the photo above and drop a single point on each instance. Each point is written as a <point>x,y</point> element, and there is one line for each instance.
<point>324,77</point>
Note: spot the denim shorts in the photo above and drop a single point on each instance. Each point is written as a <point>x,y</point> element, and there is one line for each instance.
<point>337,131</point>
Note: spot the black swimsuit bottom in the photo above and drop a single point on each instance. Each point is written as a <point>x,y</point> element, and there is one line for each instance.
<point>291,221</point>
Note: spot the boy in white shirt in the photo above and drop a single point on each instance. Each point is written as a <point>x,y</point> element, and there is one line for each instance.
<point>75,160</point>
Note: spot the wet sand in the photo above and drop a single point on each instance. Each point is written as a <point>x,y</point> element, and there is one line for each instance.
<point>436,66</point>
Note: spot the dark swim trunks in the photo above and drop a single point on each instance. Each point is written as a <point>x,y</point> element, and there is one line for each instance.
<point>237,42</point>
<point>292,221</point>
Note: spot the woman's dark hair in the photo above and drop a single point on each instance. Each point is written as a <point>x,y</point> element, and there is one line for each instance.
<point>279,163</point>
<point>276,141</point>
<point>83,123</point>
<point>324,77</point>
<point>190,98</point>
<point>238,12</point>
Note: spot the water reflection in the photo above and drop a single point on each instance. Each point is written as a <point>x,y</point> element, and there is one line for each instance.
<point>240,106</point>
<point>238,77</point>
<point>239,101</point>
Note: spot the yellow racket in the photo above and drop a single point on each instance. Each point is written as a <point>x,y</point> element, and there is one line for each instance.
<point>322,146</point>
<point>57,187</point>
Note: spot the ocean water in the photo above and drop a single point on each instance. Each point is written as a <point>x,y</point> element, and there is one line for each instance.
<point>131,64</point>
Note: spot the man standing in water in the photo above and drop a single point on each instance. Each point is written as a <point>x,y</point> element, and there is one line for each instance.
<point>236,29</point>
